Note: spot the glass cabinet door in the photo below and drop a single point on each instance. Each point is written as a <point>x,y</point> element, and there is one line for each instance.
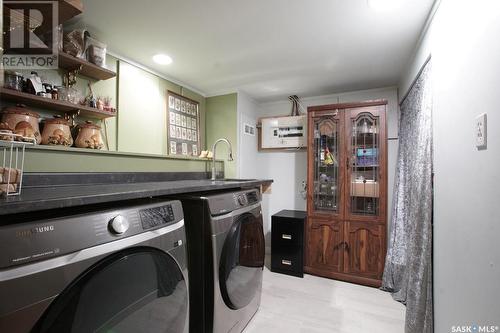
<point>363,161</point>
<point>326,164</point>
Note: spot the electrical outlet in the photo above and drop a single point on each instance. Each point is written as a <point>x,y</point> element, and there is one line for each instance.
<point>481,131</point>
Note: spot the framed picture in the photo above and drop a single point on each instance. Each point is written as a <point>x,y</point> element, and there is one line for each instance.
<point>182,125</point>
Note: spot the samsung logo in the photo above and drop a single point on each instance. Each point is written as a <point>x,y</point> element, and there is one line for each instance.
<point>35,230</point>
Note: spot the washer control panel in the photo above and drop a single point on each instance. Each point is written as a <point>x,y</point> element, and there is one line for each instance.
<point>119,224</point>
<point>157,216</point>
<point>43,239</point>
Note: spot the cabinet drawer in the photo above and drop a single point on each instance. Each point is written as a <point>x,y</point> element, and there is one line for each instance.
<point>288,264</point>
<point>286,232</point>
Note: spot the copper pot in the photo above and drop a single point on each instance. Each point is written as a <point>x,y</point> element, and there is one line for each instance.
<point>23,121</point>
<point>89,136</point>
<point>56,132</point>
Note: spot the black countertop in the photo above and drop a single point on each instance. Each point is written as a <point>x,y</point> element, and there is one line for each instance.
<point>61,196</point>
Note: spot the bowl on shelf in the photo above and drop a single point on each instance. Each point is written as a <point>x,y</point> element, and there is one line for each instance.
<point>56,131</point>
<point>5,132</point>
<point>22,121</point>
<point>89,136</point>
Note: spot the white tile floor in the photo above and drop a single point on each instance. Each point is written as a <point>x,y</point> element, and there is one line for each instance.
<point>317,305</point>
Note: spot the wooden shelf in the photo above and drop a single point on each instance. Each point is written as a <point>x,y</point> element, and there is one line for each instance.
<point>88,69</point>
<point>53,104</point>
<point>67,9</point>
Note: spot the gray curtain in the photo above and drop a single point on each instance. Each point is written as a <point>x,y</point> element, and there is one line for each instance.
<point>408,267</point>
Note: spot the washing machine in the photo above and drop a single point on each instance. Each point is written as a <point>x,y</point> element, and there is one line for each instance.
<point>118,268</point>
<point>226,259</point>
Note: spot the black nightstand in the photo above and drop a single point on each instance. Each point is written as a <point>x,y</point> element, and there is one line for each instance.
<point>287,242</point>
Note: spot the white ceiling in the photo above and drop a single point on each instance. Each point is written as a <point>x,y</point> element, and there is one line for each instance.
<point>268,49</point>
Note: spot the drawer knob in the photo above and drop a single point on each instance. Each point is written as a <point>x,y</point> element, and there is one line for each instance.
<point>286,236</point>
<point>286,262</point>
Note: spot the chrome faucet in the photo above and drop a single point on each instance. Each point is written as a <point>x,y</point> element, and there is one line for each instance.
<point>230,158</point>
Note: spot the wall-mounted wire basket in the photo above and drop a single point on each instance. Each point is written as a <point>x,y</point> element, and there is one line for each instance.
<point>12,149</point>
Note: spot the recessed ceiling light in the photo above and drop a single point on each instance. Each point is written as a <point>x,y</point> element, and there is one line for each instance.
<point>162,59</point>
<point>383,5</point>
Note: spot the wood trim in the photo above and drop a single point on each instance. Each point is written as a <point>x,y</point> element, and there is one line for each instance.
<point>340,106</point>
<point>344,277</point>
<point>170,92</point>
<point>67,9</point>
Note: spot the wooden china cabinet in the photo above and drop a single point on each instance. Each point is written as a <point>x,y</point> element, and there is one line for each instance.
<point>347,191</point>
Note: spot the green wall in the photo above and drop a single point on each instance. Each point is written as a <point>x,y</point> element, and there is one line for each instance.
<point>222,122</point>
<point>142,119</point>
<point>50,159</point>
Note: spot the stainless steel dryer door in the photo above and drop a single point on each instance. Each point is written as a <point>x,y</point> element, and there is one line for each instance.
<point>139,289</point>
<point>242,260</point>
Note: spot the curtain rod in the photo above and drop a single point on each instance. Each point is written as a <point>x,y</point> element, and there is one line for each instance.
<point>415,79</point>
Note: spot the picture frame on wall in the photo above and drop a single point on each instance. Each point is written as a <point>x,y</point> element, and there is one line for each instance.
<point>183,125</point>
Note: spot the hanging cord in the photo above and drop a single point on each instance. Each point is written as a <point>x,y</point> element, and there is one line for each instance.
<point>296,105</point>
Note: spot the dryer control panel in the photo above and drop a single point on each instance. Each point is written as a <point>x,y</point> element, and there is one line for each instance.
<point>227,202</point>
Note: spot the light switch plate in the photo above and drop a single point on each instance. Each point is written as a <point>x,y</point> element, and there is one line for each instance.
<point>481,131</point>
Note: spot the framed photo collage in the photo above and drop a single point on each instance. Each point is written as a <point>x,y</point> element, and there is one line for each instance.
<point>183,125</point>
